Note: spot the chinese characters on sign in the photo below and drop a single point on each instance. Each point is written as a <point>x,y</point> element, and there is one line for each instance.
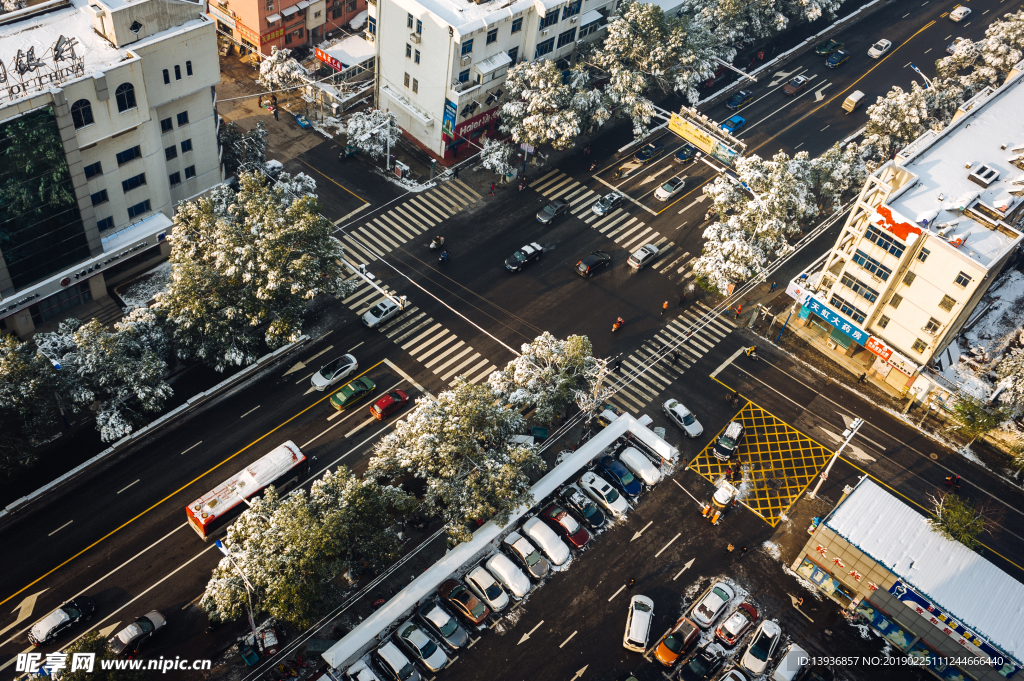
<point>820,308</point>
<point>272,35</point>
<point>27,72</point>
<point>329,60</point>
<point>33,663</point>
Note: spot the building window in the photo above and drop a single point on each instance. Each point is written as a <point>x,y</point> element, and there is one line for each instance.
<point>919,346</point>
<point>567,37</point>
<point>860,288</point>
<point>962,279</point>
<point>167,77</point>
<point>544,48</point>
<point>190,172</point>
<point>883,322</point>
<point>947,303</point>
<point>92,170</point>
<point>417,57</point>
<point>592,27</point>
<point>99,197</point>
<point>419,27</point>
<point>351,6</point>
<point>871,265</point>
<point>166,125</point>
<point>464,76</point>
<point>175,179</point>
<point>371,26</point>
<point>183,118</point>
<point>415,85</point>
<point>188,69</point>
<point>287,38</point>
<point>884,240</point>
<point>895,300</point>
<point>550,20</point>
<point>923,255</point>
<point>408,50</point>
<point>847,309</point>
<point>133,182</point>
<point>105,224</point>
<point>909,278</point>
<point>408,22</point>
<point>467,46</point>
<point>129,155</point>
<point>125,96</point>
<point>517,25</point>
<point>138,209</point>
<point>170,152</point>
<point>81,113</point>
<point>513,54</point>
<point>932,326</point>
<point>177,72</point>
<point>571,10</point>
<point>407,77</point>
<point>186,146</point>
<point>492,36</point>
<point>336,12</point>
<point>59,303</point>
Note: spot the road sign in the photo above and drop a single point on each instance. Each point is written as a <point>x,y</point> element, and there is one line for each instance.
<point>528,148</point>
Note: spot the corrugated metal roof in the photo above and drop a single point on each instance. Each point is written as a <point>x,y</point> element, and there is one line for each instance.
<point>957,579</point>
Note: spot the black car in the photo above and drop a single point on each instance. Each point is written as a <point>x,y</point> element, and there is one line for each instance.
<point>442,625</point>
<point>593,263</point>
<point>703,665</point>
<point>685,153</point>
<point>649,152</point>
<point>739,100</point>
<point>127,642</point>
<point>621,476</point>
<point>523,257</point>
<point>74,611</point>
<point>553,210</point>
<point>575,499</point>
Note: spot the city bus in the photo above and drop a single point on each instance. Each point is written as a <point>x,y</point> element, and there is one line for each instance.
<point>284,467</point>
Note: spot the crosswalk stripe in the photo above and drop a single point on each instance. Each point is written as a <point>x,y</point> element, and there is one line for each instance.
<point>617,227</point>
<point>567,182</point>
<point>420,207</point>
<point>408,215</point>
<point>418,214</point>
<point>383,234</point>
<point>355,249</point>
<point>486,372</point>
<point>465,189</point>
<point>452,372</point>
<point>415,328</point>
<point>475,368</point>
<point>546,176</point>
<point>367,235</point>
<point>576,194</point>
<point>432,205</point>
<point>610,218</point>
<point>684,266</point>
<point>437,347</point>
<point>444,354</point>
<point>391,220</point>
<point>667,266</point>
<point>558,193</point>
<point>414,351</point>
<point>447,199</point>
<point>397,318</point>
<point>395,229</point>
<point>418,338</point>
<point>624,394</point>
<point>391,332</point>
<point>454,359</point>
<point>585,203</point>
<point>627,233</point>
<point>718,315</point>
<point>360,296</point>
<point>392,215</point>
<point>636,237</point>
<point>541,185</point>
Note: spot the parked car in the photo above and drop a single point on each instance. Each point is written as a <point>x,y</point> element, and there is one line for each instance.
<point>683,417</point>
<point>734,124</point>
<point>733,674</point>
<point>794,658</point>
<point>603,493</point>
<point>524,256</point>
<point>128,642</point>
<point>53,625</point>
<point>795,85</point>
<point>483,584</point>
<point>649,152</point>
<point>334,371</point>
<point>643,257</point>
<point>711,604</point>
<point>762,645</point>
<point>836,59</point>
<point>352,392</point>
<point>959,14</point>
<point>638,623</point>
<point>951,49</point>
<point>393,662</point>
<point>676,641</point>
<point>420,646</point>
<point>704,664</point>
<point>552,211</point>
<point>271,641</point>
<point>880,48</point>
<point>508,574</point>
<point>361,671</point>
<point>442,625</point>
<point>544,537</point>
<point>559,520</point>
<point>593,263</point>
<point>457,595</point>
<point>721,73</point>
<point>670,188</point>
<point>830,46</point>
<point>621,476</point>
<point>380,313</point>
<point>640,466</point>
<point>389,404</point>
<point>574,497</point>
<point>607,203</point>
<point>685,154</point>
<point>736,624</point>
<point>739,100</point>
<point>527,555</point>
<point>730,439</point>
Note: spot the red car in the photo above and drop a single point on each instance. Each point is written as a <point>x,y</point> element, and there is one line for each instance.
<point>462,599</point>
<point>566,525</point>
<point>389,404</point>
<point>734,626</point>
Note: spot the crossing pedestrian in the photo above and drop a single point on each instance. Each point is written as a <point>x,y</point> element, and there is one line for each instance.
<point>259,102</point>
<point>739,311</point>
<point>774,286</point>
<point>743,551</point>
<point>273,101</point>
<point>492,189</point>
<point>675,356</point>
<point>618,366</point>
<point>682,299</point>
<point>730,548</point>
<point>664,308</point>
<point>276,116</point>
<point>586,151</point>
<point>630,583</point>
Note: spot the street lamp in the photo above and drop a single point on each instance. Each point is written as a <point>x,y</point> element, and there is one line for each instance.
<point>847,436</point>
<point>248,590</point>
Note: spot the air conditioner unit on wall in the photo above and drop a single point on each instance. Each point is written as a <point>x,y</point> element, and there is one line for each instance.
<point>545,31</point>
<point>368,36</point>
<point>573,20</point>
<point>414,38</point>
<point>466,58</point>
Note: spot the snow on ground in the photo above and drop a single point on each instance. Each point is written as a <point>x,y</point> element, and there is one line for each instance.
<point>802,581</point>
<point>772,549</point>
<point>142,291</point>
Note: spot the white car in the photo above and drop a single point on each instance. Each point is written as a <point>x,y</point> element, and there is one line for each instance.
<point>959,14</point>
<point>714,601</point>
<point>643,257</point>
<point>670,188</point>
<point>523,551</point>
<point>380,313</point>
<point>544,537</point>
<point>734,675</point>
<point>638,623</point>
<point>603,493</point>
<point>683,417</point>
<point>482,583</point>
<point>334,371</point>
<point>761,648</point>
<point>640,465</point>
<point>951,48</point>
<point>880,48</point>
<point>361,671</point>
<point>509,575</point>
<point>421,647</point>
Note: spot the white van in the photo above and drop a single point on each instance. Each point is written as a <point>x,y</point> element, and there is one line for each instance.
<point>792,663</point>
<point>638,624</point>
<point>641,466</point>
<point>853,101</point>
<point>544,537</point>
<point>506,572</point>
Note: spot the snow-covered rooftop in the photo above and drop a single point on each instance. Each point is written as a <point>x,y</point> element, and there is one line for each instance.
<point>982,140</point>
<point>466,16</point>
<point>350,50</point>
<point>970,588</point>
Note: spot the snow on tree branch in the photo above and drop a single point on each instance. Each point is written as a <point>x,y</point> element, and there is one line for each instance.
<point>497,156</point>
<point>279,70</point>
<point>372,131</point>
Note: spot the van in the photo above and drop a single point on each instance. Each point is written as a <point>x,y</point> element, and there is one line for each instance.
<point>506,572</point>
<point>641,466</point>
<point>638,624</point>
<point>544,537</point>
<point>395,664</point>
<point>730,439</point>
<point>792,663</point>
<point>853,101</point>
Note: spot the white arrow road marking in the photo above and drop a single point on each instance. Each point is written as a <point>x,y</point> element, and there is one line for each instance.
<point>693,203</point>
<point>668,544</point>
<point>526,636</point>
<point>819,94</point>
<point>653,176</point>
<point>24,610</point>
<point>108,630</point>
<point>568,639</point>
<point>299,366</point>
<point>851,448</point>
<point>685,568</point>
<point>781,76</point>
<point>579,674</point>
<point>637,535</point>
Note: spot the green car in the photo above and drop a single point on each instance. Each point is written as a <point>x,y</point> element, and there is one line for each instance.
<point>828,48</point>
<point>352,392</point>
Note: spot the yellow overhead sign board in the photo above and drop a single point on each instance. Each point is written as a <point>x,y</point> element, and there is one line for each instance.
<point>702,140</point>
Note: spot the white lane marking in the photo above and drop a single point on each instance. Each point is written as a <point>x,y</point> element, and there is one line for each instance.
<point>789,103</point>
<point>60,528</point>
<point>685,568</point>
<point>526,636</point>
<point>249,412</point>
<point>192,447</point>
<point>568,639</point>
<point>640,532</point>
<point>826,128</point>
<point>727,362</point>
<point>616,593</point>
<point>121,490</point>
<point>668,544</point>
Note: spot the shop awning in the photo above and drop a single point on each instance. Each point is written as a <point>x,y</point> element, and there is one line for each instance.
<point>288,11</point>
<point>493,63</point>
<point>590,17</point>
<point>273,18</point>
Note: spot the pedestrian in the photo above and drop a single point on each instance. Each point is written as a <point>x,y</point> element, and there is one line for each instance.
<point>456,172</point>
<point>259,102</point>
<point>775,285</point>
<point>630,583</point>
<point>863,378</point>
<point>276,116</point>
<point>675,356</point>
<point>739,311</point>
<point>730,548</point>
<point>728,472</point>
<point>799,602</point>
<point>682,299</point>
<point>618,367</point>
<point>743,551</point>
<point>273,101</point>
<point>664,307</point>
<point>492,189</point>
<point>586,151</point>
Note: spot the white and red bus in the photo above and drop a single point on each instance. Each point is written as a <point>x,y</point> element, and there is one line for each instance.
<point>283,468</point>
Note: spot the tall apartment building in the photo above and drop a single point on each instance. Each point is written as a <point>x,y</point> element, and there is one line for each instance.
<point>930,232</point>
<point>107,121</point>
<point>441,64</point>
<point>261,25</point>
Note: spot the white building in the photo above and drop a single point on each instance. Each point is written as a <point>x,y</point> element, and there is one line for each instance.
<point>927,237</point>
<point>441,64</point>
<point>107,113</point>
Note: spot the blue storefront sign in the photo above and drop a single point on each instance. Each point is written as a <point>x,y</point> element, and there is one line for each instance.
<point>448,122</point>
<point>820,308</point>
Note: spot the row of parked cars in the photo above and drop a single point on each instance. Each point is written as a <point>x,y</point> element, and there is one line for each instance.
<point>125,644</point>
<point>527,556</point>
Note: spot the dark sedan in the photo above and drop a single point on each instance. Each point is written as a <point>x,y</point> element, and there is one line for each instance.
<point>829,47</point>
<point>593,263</point>
<point>74,611</point>
<point>685,154</point>
<point>566,525</point>
<point>837,58</point>
<point>739,100</point>
<point>703,665</point>
<point>621,476</point>
<point>649,152</point>
<point>795,85</point>
<point>553,211</point>
<point>128,642</point>
<point>582,504</point>
<point>523,257</point>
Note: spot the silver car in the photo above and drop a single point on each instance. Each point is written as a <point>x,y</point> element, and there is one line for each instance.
<point>643,257</point>
<point>683,417</point>
<point>421,647</point>
<point>527,555</point>
<point>444,627</point>
<point>334,371</point>
<point>607,203</point>
<point>380,313</point>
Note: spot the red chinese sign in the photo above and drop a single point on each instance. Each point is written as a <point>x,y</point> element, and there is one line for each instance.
<point>821,549</point>
<point>247,33</point>
<point>879,348</point>
<point>272,35</point>
<point>838,562</point>
<point>855,575</point>
<point>329,60</point>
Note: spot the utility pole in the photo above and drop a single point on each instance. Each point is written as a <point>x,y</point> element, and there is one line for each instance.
<point>360,271</point>
<point>847,436</point>
<point>248,590</point>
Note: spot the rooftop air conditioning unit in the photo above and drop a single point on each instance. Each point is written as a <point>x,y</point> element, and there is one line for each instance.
<point>984,176</point>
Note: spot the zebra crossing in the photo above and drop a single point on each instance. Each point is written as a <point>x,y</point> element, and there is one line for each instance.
<point>625,230</point>
<point>428,341</point>
<point>406,221</point>
<point>641,389</point>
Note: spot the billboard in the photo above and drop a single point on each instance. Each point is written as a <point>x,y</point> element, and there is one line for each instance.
<point>699,138</point>
<point>448,124</point>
